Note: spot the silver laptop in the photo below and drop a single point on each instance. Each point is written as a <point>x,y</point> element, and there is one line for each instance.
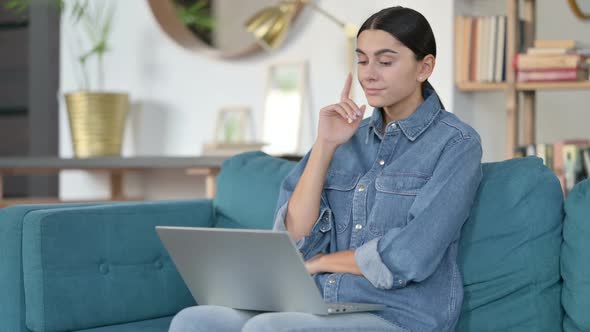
<point>247,269</point>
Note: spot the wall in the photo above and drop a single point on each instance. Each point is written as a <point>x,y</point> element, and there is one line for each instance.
<point>176,92</point>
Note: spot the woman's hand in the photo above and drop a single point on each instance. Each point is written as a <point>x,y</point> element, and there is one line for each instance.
<point>337,262</point>
<point>313,264</point>
<point>338,122</point>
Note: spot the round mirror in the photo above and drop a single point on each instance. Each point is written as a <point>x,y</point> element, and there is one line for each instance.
<point>581,8</point>
<point>216,27</point>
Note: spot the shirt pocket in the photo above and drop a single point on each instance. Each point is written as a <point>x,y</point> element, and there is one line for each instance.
<point>394,196</point>
<point>339,189</point>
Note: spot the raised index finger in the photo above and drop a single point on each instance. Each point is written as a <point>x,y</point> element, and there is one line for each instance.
<point>346,90</point>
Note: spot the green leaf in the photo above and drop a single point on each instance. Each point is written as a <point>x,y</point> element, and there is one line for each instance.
<point>197,15</point>
<point>18,6</point>
<point>79,10</point>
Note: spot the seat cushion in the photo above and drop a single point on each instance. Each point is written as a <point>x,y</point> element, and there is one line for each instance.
<point>247,190</point>
<point>575,259</point>
<point>151,325</point>
<point>509,250</point>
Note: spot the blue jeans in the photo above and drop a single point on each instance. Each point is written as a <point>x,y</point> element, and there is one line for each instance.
<point>215,318</point>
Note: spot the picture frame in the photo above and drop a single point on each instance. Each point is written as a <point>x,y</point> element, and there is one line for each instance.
<point>233,133</point>
<point>233,125</point>
<point>285,100</point>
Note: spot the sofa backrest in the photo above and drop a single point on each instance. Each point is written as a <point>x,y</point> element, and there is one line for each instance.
<point>247,190</point>
<point>575,259</point>
<point>509,250</point>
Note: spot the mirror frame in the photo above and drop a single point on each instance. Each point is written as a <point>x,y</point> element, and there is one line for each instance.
<point>165,14</point>
<point>577,11</point>
<point>298,118</point>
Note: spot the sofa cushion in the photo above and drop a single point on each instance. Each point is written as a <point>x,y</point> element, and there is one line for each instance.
<point>97,266</point>
<point>575,259</point>
<point>509,250</point>
<point>247,190</point>
<point>151,325</point>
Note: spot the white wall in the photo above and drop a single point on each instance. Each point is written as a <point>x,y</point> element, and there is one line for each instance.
<point>176,93</point>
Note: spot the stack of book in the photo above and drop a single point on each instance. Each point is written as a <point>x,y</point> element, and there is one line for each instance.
<point>569,159</point>
<point>480,46</point>
<point>552,61</point>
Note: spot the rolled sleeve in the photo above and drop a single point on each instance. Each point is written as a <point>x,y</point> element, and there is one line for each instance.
<point>319,238</point>
<point>370,263</point>
<point>412,253</point>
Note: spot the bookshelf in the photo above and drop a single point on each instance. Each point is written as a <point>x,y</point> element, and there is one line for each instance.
<point>481,86</point>
<point>553,86</point>
<point>520,16</point>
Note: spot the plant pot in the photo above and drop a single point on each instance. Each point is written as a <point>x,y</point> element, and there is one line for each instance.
<point>97,122</point>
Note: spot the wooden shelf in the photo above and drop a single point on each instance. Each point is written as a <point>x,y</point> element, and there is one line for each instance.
<point>480,86</point>
<point>520,98</point>
<point>552,86</point>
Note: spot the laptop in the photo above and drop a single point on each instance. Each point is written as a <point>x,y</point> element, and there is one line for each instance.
<point>257,270</point>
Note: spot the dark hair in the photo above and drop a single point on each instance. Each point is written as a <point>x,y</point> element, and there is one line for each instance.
<point>408,26</point>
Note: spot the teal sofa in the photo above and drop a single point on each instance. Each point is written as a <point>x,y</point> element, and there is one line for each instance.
<point>524,254</point>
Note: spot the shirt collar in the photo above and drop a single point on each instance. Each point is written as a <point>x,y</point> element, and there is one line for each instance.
<point>414,125</point>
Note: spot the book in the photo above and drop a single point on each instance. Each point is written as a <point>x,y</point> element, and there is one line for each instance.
<point>586,157</point>
<point>549,61</point>
<point>559,160</point>
<point>552,75</point>
<point>525,151</point>
<point>492,43</point>
<point>545,152</point>
<point>555,43</point>
<point>550,50</point>
<point>573,165</point>
<point>500,63</point>
<point>473,53</point>
<point>466,52</point>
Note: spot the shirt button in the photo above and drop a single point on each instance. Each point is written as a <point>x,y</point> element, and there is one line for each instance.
<point>381,162</point>
<point>331,280</point>
<point>393,125</point>
<point>361,187</point>
<point>358,226</point>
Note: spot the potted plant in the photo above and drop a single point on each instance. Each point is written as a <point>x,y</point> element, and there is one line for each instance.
<point>97,118</point>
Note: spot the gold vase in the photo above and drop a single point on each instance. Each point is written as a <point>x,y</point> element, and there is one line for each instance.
<point>97,122</point>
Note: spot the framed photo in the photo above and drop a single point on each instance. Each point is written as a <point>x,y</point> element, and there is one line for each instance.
<point>283,114</point>
<point>233,125</point>
<point>233,133</point>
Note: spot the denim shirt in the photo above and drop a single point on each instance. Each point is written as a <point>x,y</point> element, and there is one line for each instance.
<point>399,198</point>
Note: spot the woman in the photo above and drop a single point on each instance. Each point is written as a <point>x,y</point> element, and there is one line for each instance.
<point>377,205</point>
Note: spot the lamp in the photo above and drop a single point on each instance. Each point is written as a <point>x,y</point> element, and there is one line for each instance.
<point>270,25</point>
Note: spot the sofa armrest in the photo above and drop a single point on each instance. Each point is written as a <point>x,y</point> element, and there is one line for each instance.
<point>12,301</point>
<point>103,265</point>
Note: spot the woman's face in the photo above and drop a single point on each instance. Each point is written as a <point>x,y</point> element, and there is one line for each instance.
<point>387,70</point>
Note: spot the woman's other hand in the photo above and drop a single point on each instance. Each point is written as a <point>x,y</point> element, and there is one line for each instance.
<point>313,264</point>
<point>338,122</point>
